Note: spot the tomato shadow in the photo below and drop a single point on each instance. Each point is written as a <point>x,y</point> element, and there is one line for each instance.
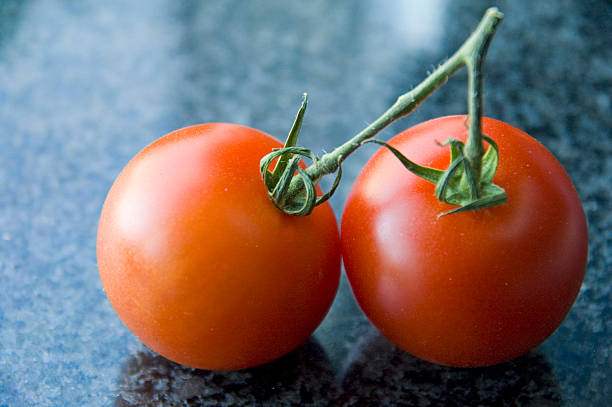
<point>379,373</point>
<point>303,377</point>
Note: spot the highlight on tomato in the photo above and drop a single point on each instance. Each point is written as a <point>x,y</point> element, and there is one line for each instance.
<point>200,265</point>
<point>475,287</point>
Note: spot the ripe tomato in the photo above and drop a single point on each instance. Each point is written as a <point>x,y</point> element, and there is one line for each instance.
<point>473,288</point>
<point>200,265</point>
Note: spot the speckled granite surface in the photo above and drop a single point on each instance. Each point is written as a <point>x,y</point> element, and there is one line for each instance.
<point>85,85</point>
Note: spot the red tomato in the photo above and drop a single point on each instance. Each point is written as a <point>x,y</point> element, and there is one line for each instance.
<point>200,265</point>
<point>473,288</point>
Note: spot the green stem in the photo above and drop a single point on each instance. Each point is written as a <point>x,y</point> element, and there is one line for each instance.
<point>470,54</point>
<point>474,148</point>
<point>290,196</point>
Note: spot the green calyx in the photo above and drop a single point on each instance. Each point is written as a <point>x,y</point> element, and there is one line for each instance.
<point>279,180</point>
<point>458,185</point>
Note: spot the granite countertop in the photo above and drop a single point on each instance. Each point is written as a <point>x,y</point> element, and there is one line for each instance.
<point>85,85</point>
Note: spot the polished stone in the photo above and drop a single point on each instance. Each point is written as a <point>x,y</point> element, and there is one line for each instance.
<point>85,85</point>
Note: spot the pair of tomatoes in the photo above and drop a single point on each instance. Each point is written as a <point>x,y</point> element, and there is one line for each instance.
<point>205,270</point>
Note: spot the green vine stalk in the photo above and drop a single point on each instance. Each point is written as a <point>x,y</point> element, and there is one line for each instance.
<point>463,183</point>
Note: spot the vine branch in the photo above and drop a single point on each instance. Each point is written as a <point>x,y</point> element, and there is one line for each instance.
<point>471,54</point>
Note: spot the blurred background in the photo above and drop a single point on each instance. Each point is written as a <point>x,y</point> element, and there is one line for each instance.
<point>86,85</point>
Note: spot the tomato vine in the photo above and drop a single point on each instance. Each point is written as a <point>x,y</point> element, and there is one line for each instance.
<point>467,182</point>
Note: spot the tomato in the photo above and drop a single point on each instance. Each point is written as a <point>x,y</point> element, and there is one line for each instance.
<point>200,265</point>
<point>473,288</point>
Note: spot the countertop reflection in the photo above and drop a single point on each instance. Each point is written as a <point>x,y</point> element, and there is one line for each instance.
<point>378,373</point>
<point>303,377</point>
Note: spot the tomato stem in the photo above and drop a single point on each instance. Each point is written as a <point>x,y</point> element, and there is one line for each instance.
<point>474,60</point>
<point>471,54</point>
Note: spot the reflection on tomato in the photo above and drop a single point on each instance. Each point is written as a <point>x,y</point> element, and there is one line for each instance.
<point>200,265</point>
<point>473,288</point>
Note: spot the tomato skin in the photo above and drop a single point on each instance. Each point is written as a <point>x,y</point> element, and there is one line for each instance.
<point>474,288</point>
<point>200,265</point>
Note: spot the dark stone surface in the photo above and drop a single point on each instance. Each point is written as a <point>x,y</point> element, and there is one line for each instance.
<point>86,85</point>
<point>304,377</point>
